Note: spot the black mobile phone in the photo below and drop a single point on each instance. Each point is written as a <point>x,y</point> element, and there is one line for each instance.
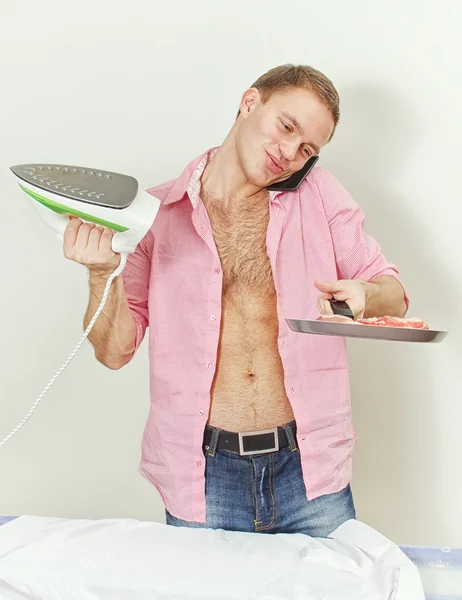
<point>292,182</point>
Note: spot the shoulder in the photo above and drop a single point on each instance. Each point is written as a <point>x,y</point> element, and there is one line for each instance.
<point>325,186</point>
<point>323,182</point>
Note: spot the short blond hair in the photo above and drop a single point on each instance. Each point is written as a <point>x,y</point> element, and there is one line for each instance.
<point>285,77</point>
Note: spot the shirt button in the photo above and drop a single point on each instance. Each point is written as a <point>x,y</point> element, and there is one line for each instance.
<point>212,317</point>
<point>198,463</point>
<point>217,270</point>
<point>209,365</point>
<point>201,411</point>
<point>293,389</point>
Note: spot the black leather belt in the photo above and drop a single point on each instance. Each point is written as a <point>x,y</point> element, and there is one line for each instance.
<point>253,442</point>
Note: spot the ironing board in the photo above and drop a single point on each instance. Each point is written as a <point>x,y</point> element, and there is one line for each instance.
<point>439,568</point>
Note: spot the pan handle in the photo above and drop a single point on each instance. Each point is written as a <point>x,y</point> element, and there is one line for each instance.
<point>340,307</point>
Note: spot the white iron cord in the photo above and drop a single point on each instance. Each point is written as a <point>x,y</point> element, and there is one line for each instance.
<point>116,273</point>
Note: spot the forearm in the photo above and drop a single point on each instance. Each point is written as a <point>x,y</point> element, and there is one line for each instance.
<point>114,333</point>
<point>384,296</point>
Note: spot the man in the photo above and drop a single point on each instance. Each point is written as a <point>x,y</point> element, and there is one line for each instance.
<point>225,263</point>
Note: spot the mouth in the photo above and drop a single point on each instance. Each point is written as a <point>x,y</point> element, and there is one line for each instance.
<point>273,164</point>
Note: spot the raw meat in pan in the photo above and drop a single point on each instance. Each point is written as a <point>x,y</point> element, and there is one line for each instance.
<point>386,321</point>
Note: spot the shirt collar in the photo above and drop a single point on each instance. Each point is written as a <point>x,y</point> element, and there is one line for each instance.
<point>189,180</point>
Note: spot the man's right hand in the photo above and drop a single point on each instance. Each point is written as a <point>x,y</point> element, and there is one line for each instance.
<point>90,245</point>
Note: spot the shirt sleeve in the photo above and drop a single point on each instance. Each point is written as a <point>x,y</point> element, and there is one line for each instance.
<point>358,255</point>
<point>136,278</point>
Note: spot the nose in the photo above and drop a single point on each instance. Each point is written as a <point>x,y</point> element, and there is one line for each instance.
<point>289,150</point>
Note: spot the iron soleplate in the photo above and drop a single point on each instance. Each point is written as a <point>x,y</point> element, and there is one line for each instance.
<point>91,186</point>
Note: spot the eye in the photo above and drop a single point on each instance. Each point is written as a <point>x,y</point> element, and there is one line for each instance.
<point>288,128</point>
<point>307,150</point>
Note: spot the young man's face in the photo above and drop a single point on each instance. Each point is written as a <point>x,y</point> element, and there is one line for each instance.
<point>275,139</point>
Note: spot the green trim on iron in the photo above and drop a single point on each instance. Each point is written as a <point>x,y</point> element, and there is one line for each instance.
<point>65,210</point>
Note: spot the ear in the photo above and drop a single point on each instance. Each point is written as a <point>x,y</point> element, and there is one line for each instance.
<point>250,99</point>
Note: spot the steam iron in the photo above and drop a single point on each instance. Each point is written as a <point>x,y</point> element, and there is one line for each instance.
<point>108,199</point>
<point>111,200</point>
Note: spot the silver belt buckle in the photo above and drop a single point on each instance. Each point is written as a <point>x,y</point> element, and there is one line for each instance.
<point>249,433</point>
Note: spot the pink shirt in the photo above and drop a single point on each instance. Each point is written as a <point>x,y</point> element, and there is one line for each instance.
<point>174,282</point>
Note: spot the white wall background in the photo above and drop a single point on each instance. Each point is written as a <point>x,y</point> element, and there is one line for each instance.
<point>143,89</point>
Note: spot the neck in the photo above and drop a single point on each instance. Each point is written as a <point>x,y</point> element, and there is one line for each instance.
<point>223,177</point>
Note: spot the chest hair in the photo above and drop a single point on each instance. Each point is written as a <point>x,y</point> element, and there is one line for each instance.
<point>239,230</point>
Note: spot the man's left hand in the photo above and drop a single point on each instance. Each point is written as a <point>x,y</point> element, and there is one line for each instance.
<point>353,292</point>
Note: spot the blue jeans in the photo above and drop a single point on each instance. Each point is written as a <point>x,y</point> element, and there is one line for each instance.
<point>266,493</point>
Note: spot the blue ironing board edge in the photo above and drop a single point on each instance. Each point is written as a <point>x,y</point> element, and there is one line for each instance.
<point>4,520</point>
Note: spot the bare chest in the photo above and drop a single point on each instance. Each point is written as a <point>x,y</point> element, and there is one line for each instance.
<point>240,238</point>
